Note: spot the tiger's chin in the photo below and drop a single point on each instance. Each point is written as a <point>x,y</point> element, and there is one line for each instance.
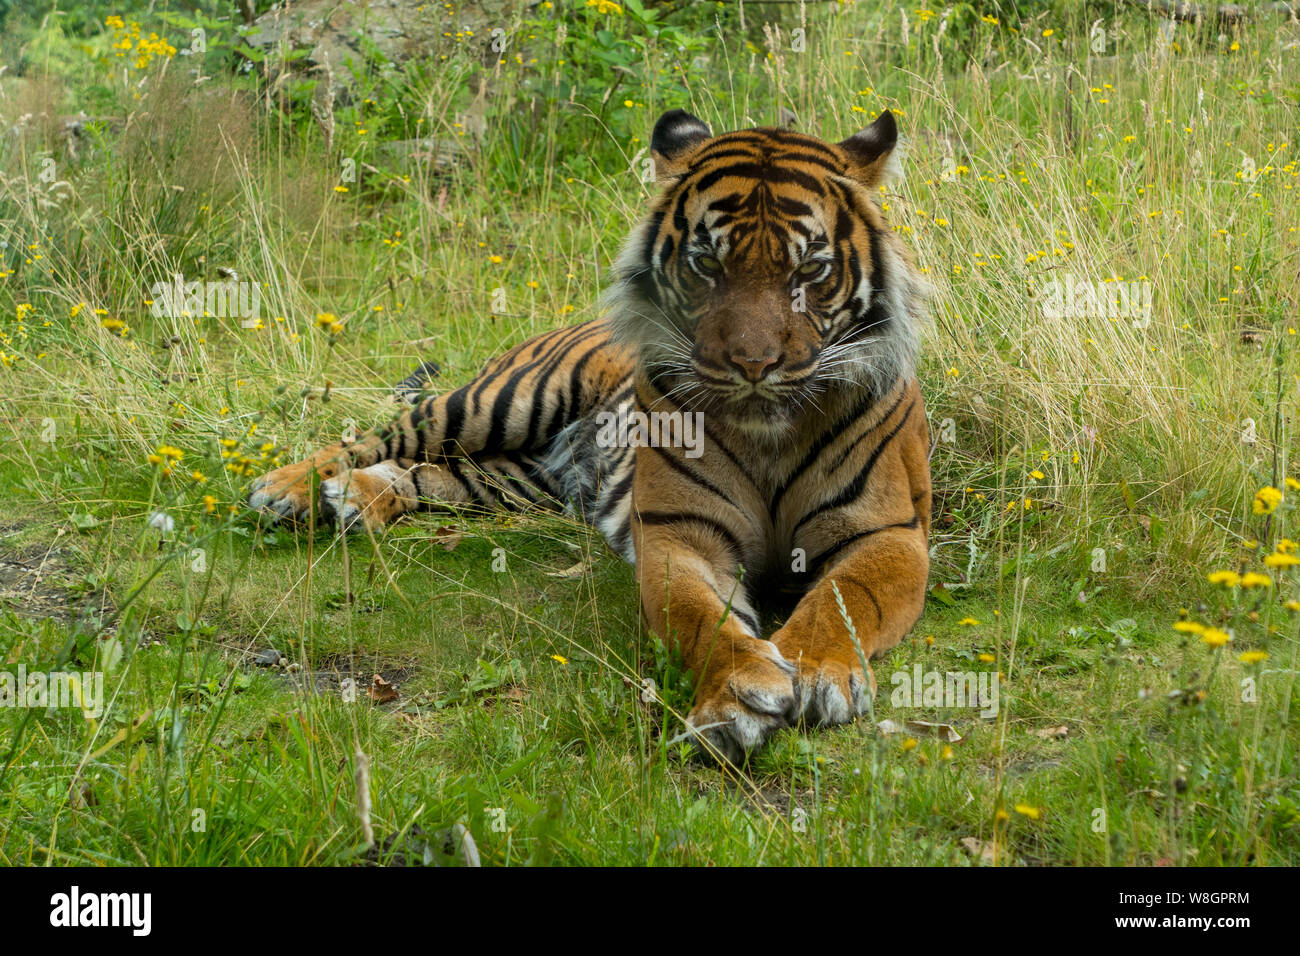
<point>757,417</point>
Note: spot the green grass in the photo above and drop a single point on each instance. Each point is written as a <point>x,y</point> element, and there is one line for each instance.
<point>516,649</point>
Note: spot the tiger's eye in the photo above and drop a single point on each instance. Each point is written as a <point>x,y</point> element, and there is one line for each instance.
<point>709,264</point>
<point>811,268</point>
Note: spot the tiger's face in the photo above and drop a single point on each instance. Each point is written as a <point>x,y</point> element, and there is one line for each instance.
<point>765,275</point>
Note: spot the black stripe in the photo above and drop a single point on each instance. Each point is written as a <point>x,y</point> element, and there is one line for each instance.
<point>749,619</point>
<point>729,151</point>
<point>453,467</point>
<point>854,488</point>
<point>828,436</point>
<point>616,495</point>
<point>880,614</point>
<point>539,393</point>
<point>681,468</point>
<point>817,563</point>
<point>455,415</point>
<point>769,175</point>
<point>504,401</point>
<point>671,518</point>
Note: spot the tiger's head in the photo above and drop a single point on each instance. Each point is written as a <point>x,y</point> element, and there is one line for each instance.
<point>765,275</point>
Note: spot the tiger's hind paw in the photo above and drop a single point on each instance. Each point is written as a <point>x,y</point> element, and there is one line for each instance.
<point>367,498</point>
<point>282,495</point>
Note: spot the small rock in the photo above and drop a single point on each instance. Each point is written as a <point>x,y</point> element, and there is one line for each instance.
<point>269,658</point>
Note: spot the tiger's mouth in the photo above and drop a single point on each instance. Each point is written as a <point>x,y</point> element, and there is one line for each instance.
<point>773,399</point>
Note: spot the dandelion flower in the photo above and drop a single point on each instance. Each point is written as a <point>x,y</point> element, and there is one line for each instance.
<point>1266,500</point>
<point>1215,637</point>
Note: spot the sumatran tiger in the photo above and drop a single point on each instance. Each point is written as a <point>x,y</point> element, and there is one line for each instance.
<point>764,299</point>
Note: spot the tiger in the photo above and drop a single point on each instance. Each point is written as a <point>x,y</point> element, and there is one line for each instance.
<point>764,298</point>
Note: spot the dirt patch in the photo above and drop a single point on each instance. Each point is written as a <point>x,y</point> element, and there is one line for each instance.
<point>36,582</point>
<point>329,674</point>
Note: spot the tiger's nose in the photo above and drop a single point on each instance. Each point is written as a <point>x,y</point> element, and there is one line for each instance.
<point>755,367</point>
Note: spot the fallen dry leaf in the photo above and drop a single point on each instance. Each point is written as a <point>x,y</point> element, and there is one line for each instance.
<point>380,691</point>
<point>1053,733</point>
<point>448,538</point>
<point>577,571</point>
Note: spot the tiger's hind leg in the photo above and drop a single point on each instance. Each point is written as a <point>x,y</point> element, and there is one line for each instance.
<point>377,495</point>
<point>515,408</point>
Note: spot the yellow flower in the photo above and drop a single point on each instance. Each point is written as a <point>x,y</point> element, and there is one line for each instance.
<point>1025,810</point>
<point>987,658</point>
<point>967,622</point>
<point>1189,627</point>
<point>1281,560</point>
<point>329,322</point>
<point>1266,500</point>
<point>1292,605</point>
<point>1254,579</point>
<point>1253,657</point>
<point>1293,484</point>
<point>1227,578</point>
<point>199,476</point>
<point>559,658</point>
<point>1287,546</point>
<point>1215,637</point>
<point>209,504</point>
<point>1001,816</point>
<point>909,744</point>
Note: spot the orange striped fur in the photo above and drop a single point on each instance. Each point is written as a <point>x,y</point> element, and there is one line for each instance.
<point>765,298</point>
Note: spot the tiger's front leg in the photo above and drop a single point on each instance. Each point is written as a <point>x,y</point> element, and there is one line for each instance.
<point>882,583</point>
<point>875,551</point>
<point>691,597</point>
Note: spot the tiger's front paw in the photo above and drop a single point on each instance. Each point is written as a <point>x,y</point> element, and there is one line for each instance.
<point>829,686</point>
<point>742,703</point>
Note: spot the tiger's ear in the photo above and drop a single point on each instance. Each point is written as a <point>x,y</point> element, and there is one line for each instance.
<point>677,135</point>
<point>869,151</point>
